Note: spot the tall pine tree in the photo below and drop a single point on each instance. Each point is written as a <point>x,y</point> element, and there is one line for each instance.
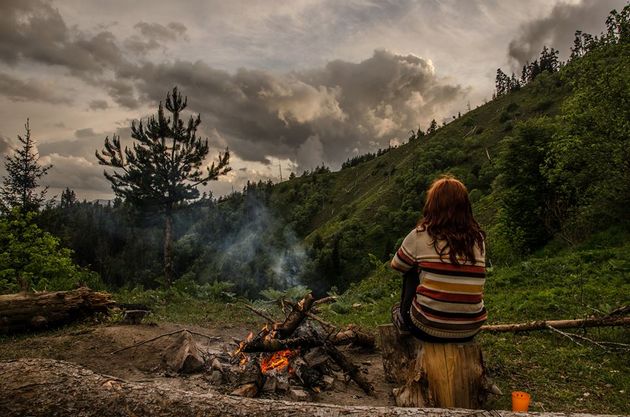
<point>20,187</point>
<point>163,168</point>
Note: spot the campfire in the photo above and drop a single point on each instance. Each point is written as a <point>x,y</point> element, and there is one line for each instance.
<point>298,355</point>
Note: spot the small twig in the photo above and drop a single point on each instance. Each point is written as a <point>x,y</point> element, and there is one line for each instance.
<point>563,334</point>
<point>260,313</point>
<point>144,342</point>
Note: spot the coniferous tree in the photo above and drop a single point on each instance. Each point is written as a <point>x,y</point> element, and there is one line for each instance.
<point>432,127</point>
<point>20,185</point>
<point>68,198</point>
<point>164,166</point>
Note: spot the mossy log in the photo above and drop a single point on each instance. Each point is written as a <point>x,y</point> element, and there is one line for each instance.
<point>34,311</point>
<point>45,387</point>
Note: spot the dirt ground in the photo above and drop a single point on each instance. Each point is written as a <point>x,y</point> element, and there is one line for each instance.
<point>91,346</point>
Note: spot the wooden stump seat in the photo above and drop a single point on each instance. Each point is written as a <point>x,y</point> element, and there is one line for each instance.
<point>441,375</point>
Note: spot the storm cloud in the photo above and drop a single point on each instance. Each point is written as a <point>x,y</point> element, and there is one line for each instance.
<point>34,90</point>
<point>558,28</point>
<point>324,113</point>
<point>34,30</point>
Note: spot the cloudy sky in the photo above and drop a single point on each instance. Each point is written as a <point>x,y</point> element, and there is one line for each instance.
<point>295,83</point>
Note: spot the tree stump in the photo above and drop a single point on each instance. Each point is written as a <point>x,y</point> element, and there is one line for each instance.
<point>183,355</point>
<point>440,375</point>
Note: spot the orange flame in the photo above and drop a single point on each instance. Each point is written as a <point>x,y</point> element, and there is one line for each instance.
<point>278,360</point>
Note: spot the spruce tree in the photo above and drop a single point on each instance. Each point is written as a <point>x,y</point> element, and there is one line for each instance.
<point>20,185</point>
<point>163,168</point>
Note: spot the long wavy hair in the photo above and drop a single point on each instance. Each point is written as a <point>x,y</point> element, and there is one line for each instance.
<point>448,218</point>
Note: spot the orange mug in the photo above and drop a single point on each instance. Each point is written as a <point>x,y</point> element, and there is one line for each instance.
<point>520,401</point>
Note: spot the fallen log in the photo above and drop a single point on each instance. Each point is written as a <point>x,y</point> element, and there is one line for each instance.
<point>44,387</point>
<point>34,311</point>
<point>558,324</point>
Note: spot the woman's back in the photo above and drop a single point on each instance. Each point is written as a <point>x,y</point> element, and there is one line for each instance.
<point>448,302</point>
<point>443,299</point>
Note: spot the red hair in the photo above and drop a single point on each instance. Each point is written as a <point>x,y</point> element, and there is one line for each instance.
<point>448,218</point>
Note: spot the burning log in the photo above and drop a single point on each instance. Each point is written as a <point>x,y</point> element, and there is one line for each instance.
<point>274,345</point>
<point>251,380</point>
<point>287,347</point>
<point>33,311</point>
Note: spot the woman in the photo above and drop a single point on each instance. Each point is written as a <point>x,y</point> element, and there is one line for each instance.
<point>444,269</point>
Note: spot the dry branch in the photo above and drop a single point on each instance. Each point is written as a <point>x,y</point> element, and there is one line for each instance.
<point>348,367</point>
<point>295,317</point>
<point>144,342</point>
<point>558,324</point>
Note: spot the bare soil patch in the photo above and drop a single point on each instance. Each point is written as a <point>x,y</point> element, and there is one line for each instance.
<point>91,346</point>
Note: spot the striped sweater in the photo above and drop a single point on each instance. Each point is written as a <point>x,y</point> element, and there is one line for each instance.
<point>449,298</point>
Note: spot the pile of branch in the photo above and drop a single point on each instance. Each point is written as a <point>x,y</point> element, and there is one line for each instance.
<point>290,334</point>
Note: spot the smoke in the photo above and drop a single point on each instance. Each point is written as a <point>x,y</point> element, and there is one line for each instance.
<point>249,246</point>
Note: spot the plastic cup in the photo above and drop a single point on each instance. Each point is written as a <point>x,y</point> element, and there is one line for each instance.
<point>520,401</point>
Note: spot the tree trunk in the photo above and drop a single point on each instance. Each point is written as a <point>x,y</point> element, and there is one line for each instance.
<point>32,311</point>
<point>168,249</point>
<point>434,374</point>
<point>44,387</point>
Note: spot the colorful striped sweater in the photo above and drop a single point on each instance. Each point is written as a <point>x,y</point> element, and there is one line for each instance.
<point>449,297</point>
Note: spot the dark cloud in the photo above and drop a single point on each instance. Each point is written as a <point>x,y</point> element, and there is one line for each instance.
<point>98,105</point>
<point>29,90</point>
<point>122,92</point>
<point>154,36</point>
<point>161,33</point>
<point>35,30</point>
<point>558,28</point>
<point>313,116</point>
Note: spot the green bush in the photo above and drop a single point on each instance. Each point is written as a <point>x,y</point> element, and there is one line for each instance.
<point>31,258</point>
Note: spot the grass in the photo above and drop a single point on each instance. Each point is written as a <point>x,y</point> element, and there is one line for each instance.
<point>559,374</point>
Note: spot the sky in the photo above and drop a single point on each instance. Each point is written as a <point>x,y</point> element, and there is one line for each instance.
<point>283,84</point>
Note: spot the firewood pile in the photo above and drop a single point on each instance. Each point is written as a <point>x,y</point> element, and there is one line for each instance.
<point>298,356</point>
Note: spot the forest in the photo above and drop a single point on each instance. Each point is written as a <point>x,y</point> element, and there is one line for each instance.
<point>546,161</point>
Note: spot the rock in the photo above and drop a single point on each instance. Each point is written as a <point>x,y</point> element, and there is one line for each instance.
<point>298,394</point>
<point>216,378</point>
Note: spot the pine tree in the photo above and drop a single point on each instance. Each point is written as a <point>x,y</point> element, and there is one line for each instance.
<point>163,168</point>
<point>432,127</point>
<point>68,198</point>
<point>20,185</point>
